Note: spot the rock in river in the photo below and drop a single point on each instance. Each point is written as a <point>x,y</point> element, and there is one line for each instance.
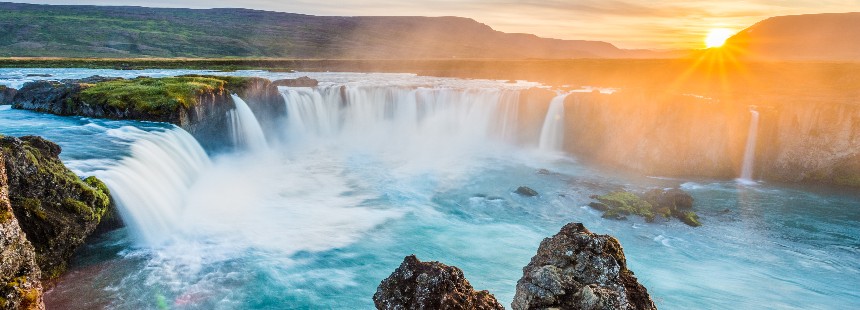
<point>430,285</point>
<point>577,269</point>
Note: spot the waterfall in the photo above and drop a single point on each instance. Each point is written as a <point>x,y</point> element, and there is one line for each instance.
<point>150,186</point>
<point>552,133</point>
<point>245,129</point>
<point>749,151</point>
<point>384,115</point>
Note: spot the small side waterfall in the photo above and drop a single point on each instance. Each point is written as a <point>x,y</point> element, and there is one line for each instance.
<point>552,133</point>
<point>245,128</point>
<point>749,151</point>
<point>150,185</point>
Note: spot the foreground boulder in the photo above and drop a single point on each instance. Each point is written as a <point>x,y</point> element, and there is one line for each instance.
<point>56,209</point>
<point>577,269</point>
<point>430,285</point>
<point>6,94</point>
<point>20,287</point>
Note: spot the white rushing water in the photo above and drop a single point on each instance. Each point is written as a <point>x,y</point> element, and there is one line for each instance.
<point>552,133</point>
<point>749,150</point>
<point>423,118</point>
<point>151,186</point>
<point>369,168</point>
<point>245,128</point>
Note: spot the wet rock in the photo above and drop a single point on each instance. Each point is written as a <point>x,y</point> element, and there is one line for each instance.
<point>430,285</point>
<point>56,97</point>
<point>526,191</point>
<point>6,94</point>
<point>56,209</point>
<point>598,206</point>
<point>617,205</point>
<point>543,172</point>
<point>20,287</point>
<point>299,82</point>
<point>577,269</point>
<point>673,202</point>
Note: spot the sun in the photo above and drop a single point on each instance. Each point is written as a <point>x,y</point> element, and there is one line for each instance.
<point>717,37</point>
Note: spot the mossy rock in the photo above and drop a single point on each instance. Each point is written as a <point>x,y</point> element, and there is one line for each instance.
<point>618,205</point>
<point>55,208</point>
<point>623,203</point>
<point>689,218</point>
<point>158,96</point>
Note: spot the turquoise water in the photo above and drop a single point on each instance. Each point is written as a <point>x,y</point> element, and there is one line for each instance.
<point>319,223</point>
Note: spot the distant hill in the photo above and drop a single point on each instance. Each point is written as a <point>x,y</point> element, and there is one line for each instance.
<point>833,36</point>
<point>105,31</point>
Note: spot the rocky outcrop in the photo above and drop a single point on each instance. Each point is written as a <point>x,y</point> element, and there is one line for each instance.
<point>20,285</point>
<point>56,209</point>
<point>297,82</point>
<point>6,94</point>
<point>430,285</point>
<point>652,204</point>
<point>57,97</point>
<point>577,269</point>
<point>197,103</point>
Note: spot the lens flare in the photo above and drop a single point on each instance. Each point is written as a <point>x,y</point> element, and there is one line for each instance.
<point>717,37</point>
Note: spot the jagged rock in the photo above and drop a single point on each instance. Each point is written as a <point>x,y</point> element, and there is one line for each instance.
<point>577,269</point>
<point>526,191</point>
<point>299,82</point>
<point>20,287</point>
<point>56,209</point>
<point>6,94</point>
<point>430,285</point>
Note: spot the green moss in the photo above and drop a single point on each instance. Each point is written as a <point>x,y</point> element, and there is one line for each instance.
<point>78,207</point>
<point>618,205</point>
<point>99,191</point>
<point>157,96</point>
<point>32,205</point>
<point>690,218</point>
<point>625,203</point>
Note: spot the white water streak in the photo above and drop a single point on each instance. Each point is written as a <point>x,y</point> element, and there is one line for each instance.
<point>749,151</point>
<point>552,133</point>
<point>246,130</point>
<point>150,186</point>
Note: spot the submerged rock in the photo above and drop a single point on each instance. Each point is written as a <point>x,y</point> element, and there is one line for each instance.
<point>526,191</point>
<point>577,269</point>
<point>430,285</point>
<point>56,209</point>
<point>20,287</point>
<point>299,82</point>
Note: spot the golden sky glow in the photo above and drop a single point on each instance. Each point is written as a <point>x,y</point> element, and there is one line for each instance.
<point>717,37</point>
<point>672,24</point>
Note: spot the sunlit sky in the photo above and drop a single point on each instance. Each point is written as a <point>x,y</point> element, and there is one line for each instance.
<point>625,23</point>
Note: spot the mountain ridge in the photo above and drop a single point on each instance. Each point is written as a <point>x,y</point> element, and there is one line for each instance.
<point>128,31</point>
<point>824,36</point>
